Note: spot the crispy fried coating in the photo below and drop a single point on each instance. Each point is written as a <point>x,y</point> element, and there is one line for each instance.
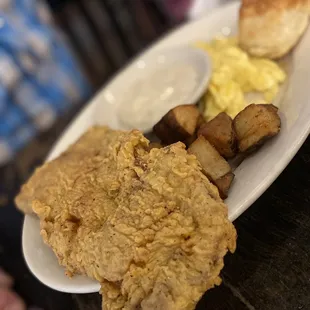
<point>148,225</point>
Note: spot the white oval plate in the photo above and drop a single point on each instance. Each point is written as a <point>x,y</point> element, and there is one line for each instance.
<point>253,176</point>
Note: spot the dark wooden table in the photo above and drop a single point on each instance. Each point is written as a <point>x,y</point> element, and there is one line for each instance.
<point>269,271</point>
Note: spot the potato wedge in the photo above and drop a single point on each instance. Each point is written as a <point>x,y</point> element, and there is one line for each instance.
<point>214,166</point>
<point>223,184</point>
<point>221,134</point>
<point>178,124</point>
<point>255,124</point>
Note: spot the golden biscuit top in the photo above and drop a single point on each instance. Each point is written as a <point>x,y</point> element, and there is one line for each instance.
<point>260,7</point>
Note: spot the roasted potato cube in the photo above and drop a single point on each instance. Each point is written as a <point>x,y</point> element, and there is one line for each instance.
<point>201,121</point>
<point>255,124</point>
<point>223,184</point>
<point>190,140</point>
<point>214,166</point>
<point>221,134</point>
<point>178,124</point>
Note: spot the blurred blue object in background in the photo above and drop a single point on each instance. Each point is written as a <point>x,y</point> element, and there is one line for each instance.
<point>39,77</point>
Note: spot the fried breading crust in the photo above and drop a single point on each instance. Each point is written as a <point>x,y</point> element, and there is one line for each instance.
<point>148,225</point>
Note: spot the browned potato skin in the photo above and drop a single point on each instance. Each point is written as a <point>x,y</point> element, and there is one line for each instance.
<point>190,140</point>
<point>256,124</point>
<point>221,134</point>
<point>223,184</point>
<point>214,166</point>
<point>201,121</point>
<point>163,132</point>
<point>179,124</point>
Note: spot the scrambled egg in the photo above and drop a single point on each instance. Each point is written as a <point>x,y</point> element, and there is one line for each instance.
<point>235,74</point>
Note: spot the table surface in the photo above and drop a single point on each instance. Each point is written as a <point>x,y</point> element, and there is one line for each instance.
<point>270,269</point>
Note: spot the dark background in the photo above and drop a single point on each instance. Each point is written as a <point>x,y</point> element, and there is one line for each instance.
<point>104,34</point>
<point>271,268</point>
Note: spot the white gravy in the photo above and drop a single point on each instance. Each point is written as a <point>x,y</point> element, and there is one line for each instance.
<point>148,99</point>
